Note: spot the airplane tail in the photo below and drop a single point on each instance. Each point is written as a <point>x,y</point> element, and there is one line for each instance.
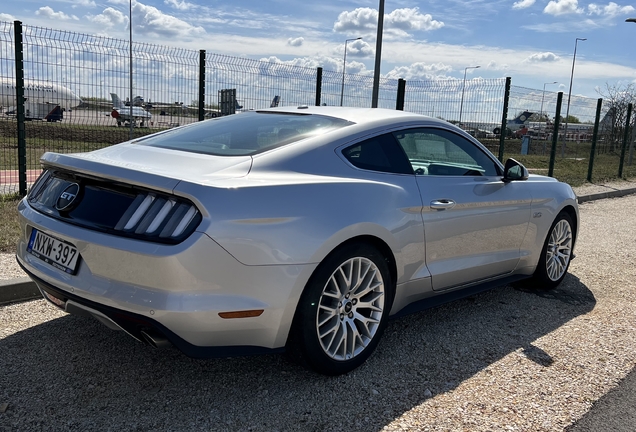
<point>275,102</point>
<point>116,101</point>
<point>607,122</point>
<point>523,117</point>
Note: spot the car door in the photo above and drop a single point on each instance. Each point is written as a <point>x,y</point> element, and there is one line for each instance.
<point>474,223</point>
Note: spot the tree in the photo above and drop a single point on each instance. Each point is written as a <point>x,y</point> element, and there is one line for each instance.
<point>616,98</point>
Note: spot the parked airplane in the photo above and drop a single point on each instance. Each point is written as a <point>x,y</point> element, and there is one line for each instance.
<point>37,92</point>
<point>515,124</point>
<point>122,113</point>
<point>605,125</point>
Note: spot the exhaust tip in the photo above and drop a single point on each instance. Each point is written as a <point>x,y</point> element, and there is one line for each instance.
<point>155,339</point>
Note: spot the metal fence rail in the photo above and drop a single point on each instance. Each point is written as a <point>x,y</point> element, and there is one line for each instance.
<point>173,86</point>
<point>8,128</point>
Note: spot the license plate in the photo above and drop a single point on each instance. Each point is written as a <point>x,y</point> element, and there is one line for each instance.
<point>58,253</point>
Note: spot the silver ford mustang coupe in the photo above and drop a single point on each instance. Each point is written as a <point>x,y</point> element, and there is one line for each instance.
<point>298,228</point>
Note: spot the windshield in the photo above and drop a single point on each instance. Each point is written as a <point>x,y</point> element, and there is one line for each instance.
<point>244,134</point>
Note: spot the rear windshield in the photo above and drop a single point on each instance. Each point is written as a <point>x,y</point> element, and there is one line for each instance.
<point>245,133</point>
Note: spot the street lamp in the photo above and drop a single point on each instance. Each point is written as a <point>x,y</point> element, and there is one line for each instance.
<point>543,97</point>
<point>631,20</point>
<point>567,112</point>
<point>344,65</point>
<point>461,105</point>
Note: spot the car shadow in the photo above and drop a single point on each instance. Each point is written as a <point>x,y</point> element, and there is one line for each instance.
<point>75,373</point>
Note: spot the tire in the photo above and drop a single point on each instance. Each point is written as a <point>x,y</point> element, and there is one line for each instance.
<point>556,254</point>
<point>496,131</point>
<point>340,318</point>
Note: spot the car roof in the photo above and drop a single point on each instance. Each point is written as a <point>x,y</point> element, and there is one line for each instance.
<point>355,115</point>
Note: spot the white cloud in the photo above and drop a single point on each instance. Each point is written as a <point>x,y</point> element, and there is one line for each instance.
<point>493,65</point>
<point>420,70</point>
<point>544,57</point>
<point>359,19</point>
<point>85,3</point>
<point>46,11</point>
<point>6,17</point>
<point>559,27</point>
<point>148,21</point>
<point>398,22</point>
<point>181,5</point>
<point>562,7</point>
<point>151,21</point>
<point>296,41</point>
<point>109,17</point>
<point>327,63</point>
<point>609,10</point>
<point>411,19</point>
<point>522,4</point>
<point>357,48</point>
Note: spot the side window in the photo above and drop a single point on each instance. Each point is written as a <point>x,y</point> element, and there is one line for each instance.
<point>381,153</point>
<point>440,152</point>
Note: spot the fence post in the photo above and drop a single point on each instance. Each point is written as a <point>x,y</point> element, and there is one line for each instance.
<point>318,85</point>
<point>555,133</point>
<point>504,119</point>
<point>401,90</point>
<point>590,168</point>
<point>625,138</point>
<point>19,110</point>
<point>201,85</point>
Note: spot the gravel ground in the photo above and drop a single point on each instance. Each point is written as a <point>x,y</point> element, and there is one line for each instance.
<point>509,359</point>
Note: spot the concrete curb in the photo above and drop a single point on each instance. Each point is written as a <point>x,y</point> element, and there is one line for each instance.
<point>23,289</point>
<point>616,193</point>
<point>17,290</point>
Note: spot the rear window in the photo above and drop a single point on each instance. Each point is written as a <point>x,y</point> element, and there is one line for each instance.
<point>245,133</point>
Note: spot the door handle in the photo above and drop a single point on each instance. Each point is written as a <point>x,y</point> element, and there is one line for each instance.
<point>442,204</point>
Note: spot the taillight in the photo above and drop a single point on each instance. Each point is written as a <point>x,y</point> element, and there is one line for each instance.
<point>155,216</point>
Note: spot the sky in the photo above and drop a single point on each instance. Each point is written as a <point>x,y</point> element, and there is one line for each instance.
<point>532,41</point>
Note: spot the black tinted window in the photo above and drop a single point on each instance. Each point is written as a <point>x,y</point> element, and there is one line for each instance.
<point>381,153</point>
<point>245,133</point>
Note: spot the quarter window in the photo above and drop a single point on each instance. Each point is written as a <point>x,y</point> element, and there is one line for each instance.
<point>381,153</point>
<point>440,152</point>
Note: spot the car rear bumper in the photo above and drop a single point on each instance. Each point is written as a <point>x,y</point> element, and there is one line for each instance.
<point>177,291</point>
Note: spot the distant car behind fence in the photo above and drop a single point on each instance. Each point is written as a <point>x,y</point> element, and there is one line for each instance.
<point>44,67</point>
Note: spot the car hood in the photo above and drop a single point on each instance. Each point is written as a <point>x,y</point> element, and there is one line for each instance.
<point>143,165</point>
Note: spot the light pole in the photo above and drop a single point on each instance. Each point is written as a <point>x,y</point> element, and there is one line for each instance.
<point>543,97</point>
<point>461,105</point>
<point>567,112</point>
<point>630,158</point>
<point>344,65</point>
<point>130,134</point>
<point>375,93</point>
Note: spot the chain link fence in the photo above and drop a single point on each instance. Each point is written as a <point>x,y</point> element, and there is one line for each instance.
<point>78,97</point>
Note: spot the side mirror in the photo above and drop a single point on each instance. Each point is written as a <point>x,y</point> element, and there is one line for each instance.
<point>514,171</point>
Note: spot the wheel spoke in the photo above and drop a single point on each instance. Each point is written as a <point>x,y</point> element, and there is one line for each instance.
<point>559,250</point>
<point>350,308</point>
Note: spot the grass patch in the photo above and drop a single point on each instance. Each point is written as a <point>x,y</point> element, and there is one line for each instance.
<point>9,226</point>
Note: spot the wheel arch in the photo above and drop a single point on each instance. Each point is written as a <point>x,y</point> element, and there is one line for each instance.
<point>364,239</point>
<point>570,211</point>
<point>378,244</point>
